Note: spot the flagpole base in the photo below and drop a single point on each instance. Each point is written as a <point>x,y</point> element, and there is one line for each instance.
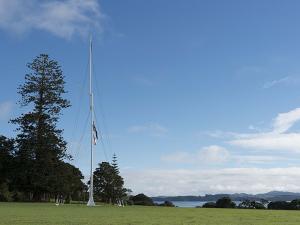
<point>91,202</point>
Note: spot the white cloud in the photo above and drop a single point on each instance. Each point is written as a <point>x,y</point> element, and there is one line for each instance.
<point>270,141</point>
<point>153,129</point>
<point>258,159</point>
<point>214,154</point>
<point>208,154</point>
<point>178,157</point>
<point>223,134</point>
<point>284,121</point>
<point>63,18</point>
<point>194,182</point>
<point>5,109</point>
<point>277,139</point>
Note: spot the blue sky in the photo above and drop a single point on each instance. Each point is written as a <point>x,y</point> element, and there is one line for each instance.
<point>202,96</point>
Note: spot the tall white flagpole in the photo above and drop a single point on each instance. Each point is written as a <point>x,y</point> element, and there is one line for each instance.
<point>91,189</point>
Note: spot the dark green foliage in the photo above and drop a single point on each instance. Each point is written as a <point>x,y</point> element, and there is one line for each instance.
<point>293,205</point>
<point>40,145</point>
<point>141,199</point>
<point>264,201</point>
<point>209,205</point>
<point>34,169</point>
<point>167,204</point>
<point>108,184</point>
<point>6,167</point>
<point>279,205</point>
<point>6,159</point>
<point>258,205</point>
<point>68,182</point>
<point>115,163</point>
<point>247,204</point>
<point>5,194</point>
<point>225,202</point>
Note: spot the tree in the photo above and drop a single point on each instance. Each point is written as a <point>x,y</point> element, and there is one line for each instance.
<point>279,205</point>
<point>108,184</point>
<point>225,202</point>
<point>40,145</point>
<point>247,204</point>
<point>6,158</point>
<point>68,182</point>
<point>209,205</point>
<point>118,191</point>
<point>295,204</point>
<point>115,163</point>
<point>166,204</point>
<point>6,167</point>
<point>141,199</point>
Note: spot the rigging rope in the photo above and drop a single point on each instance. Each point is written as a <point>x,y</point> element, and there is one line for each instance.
<point>101,139</point>
<point>78,111</point>
<point>81,138</point>
<point>102,114</point>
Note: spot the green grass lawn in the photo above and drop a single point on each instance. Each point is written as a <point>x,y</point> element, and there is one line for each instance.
<point>40,213</point>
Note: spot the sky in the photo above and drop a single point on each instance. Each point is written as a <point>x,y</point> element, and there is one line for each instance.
<point>194,97</point>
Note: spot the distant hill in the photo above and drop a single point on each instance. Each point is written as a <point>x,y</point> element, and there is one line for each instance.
<point>270,196</point>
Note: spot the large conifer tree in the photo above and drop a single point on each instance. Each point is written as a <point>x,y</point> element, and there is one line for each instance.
<point>40,145</point>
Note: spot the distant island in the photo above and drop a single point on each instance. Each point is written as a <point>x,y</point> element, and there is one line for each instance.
<point>270,196</point>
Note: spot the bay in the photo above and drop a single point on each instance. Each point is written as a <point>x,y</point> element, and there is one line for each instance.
<point>190,204</point>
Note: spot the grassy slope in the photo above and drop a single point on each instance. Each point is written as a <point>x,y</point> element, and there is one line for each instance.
<point>31,213</point>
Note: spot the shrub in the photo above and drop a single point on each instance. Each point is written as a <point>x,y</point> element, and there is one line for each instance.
<point>141,199</point>
<point>225,202</point>
<point>209,205</point>
<point>295,204</point>
<point>247,204</point>
<point>19,196</point>
<point>279,205</point>
<point>5,195</point>
<point>167,203</point>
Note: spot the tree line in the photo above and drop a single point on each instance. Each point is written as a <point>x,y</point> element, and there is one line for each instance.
<point>33,165</point>
<point>226,202</point>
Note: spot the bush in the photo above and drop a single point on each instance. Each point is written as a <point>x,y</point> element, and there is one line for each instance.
<point>279,205</point>
<point>129,202</point>
<point>209,205</point>
<point>295,204</point>
<point>19,196</point>
<point>167,203</point>
<point>225,202</point>
<point>141,199</point>
<point>5,195</point>
<point>258,205</point>
<point>251,205</point>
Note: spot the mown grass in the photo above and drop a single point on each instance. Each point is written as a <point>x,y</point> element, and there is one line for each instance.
<point>39,213</point>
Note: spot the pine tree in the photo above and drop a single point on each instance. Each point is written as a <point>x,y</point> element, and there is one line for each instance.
<point>39,142</point>
<point>108,183</point>
<point>115,163</point>
<point>6,167</point>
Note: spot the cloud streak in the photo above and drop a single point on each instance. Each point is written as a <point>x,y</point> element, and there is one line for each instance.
<point>277,139</point>
<point>153,129</point>
<point>282,81</point>
<point>209,154</point>
<point>214,154</point>
<point>64,18</point>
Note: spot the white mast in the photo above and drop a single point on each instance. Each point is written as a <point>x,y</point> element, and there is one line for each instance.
<point>91,189</point>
